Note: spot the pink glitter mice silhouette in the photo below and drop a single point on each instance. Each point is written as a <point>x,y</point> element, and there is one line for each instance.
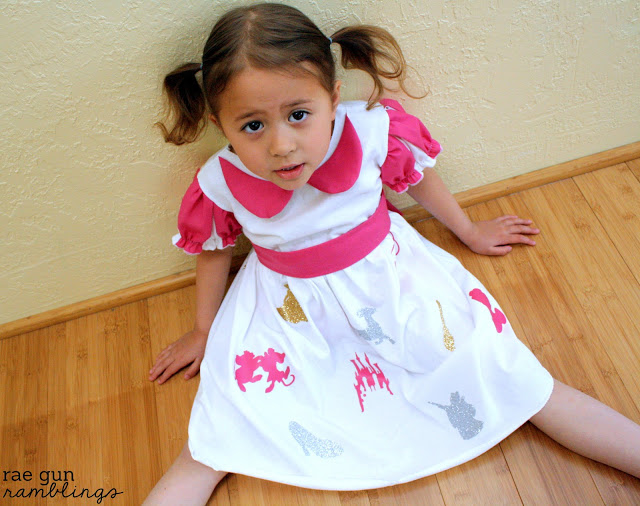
<point>499,319</point>
<point>248,363</point>
<point>269,361</point>
<point>367,373</point>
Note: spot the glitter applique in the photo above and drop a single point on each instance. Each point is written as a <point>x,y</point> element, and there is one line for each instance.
<point>460,414</point>
<point>269,361</point>
<point>367,373</point>
<point>248,363</point>
<point>499,319</point>
<point>323,448</point>
<point>373,330</point>
<point>449,343</point>
<point>291,310</point>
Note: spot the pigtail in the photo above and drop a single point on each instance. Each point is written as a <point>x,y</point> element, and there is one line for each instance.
<point>374,51</point>
<point>186,103</point>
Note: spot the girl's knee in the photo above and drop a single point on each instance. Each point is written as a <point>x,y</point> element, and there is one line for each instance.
<point>186,459</point>
<point>185,454</point>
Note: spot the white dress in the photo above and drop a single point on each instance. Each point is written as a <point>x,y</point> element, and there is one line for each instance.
<point>394,368</point>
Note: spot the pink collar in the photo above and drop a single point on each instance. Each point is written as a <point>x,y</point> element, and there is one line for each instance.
<point>336,175</point>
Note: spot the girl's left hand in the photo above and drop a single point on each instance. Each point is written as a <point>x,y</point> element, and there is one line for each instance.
<point>495,236</point>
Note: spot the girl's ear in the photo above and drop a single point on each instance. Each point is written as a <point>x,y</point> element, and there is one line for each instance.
<point>215,121</point>
<point>335,97</point>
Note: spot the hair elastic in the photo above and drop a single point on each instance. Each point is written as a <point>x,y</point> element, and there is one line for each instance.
<point>200,67</point>
<point>330,40</point>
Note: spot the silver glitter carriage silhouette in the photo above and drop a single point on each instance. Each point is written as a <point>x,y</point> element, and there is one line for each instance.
<point>461,416</point>
<point>373,330</point>
<point>323,448</point>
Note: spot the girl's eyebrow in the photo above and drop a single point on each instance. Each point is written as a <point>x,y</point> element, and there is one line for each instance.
<point>288,105</point>
<point>297,102</point>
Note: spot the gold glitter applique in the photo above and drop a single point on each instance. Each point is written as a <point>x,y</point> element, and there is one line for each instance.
<point>449,343</point>
<point>291,310</point>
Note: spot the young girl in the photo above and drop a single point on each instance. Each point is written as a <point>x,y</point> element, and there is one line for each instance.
<point>350,352</point>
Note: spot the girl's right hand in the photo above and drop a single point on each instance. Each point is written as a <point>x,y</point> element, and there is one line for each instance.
<point>189,349</point>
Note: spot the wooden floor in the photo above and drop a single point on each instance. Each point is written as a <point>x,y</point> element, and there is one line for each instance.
<point>74,397</point>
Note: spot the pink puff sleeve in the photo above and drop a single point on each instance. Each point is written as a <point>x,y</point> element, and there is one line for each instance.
<point>411,148</point>
<point>202,224</point>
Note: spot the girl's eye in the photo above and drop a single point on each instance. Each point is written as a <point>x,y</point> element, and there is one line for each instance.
<point>252,126</point>
<point>297,116</point>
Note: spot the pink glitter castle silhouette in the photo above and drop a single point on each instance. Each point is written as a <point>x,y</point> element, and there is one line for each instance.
<point>367,373</point>
<point>269,361</point>
<point>499,319</point>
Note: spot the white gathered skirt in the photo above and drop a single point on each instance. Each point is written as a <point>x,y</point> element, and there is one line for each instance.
<point>398,367</point>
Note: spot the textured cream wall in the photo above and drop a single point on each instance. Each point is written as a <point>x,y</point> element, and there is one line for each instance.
<point>89,193</point>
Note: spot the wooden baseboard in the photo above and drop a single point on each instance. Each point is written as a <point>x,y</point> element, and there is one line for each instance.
<point>412,214</point>
<point>533,179</point>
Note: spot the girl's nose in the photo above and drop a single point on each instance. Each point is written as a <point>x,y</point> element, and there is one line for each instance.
<point>282,142</point>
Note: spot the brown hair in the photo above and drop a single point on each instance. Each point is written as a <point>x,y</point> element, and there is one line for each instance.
<point>273,36</point>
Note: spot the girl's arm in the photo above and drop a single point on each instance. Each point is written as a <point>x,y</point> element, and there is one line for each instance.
<point>486,237</point>
<point>212,271</point>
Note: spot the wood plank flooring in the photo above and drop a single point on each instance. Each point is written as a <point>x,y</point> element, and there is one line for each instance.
<point>74,397</point>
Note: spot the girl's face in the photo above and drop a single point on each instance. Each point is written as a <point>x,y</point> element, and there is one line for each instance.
<point>279,124</point>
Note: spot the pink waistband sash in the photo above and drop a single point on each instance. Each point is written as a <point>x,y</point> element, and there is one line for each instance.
<point>333,255</point>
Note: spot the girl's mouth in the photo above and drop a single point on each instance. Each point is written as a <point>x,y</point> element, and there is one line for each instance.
<point>291,171</point>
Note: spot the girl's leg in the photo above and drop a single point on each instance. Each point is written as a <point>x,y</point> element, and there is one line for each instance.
<point>187,482</point>
<point>590,428</point>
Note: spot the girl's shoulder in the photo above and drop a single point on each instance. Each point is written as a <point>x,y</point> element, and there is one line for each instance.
<point>389,119</point>
<point>357,110</point>
<point>211,178</point>
<point>371,126</point>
